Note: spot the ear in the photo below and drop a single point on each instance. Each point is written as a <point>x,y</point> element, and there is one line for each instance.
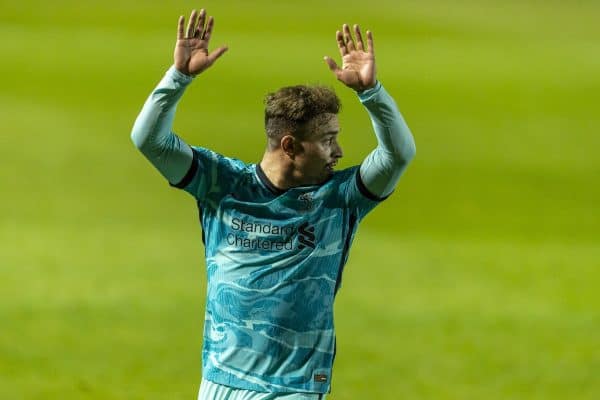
<point>289,146</point>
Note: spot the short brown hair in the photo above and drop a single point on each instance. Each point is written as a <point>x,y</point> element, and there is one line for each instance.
<point>289,108</point>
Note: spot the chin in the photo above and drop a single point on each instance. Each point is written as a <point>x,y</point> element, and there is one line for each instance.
<point>321,178</point>
<point>328,174</point>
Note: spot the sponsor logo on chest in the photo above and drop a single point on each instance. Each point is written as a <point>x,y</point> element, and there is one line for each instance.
<point>251,234</point>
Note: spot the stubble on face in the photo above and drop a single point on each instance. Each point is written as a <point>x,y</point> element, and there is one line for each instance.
<point>320,155</point>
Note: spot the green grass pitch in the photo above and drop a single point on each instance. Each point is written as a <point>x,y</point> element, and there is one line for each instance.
<point>478,279</point>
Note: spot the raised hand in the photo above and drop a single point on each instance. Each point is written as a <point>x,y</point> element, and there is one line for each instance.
<point>191,50</point>
<point>358,63</point>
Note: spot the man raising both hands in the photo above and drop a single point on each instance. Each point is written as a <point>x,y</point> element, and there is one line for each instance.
<point>277,233</point>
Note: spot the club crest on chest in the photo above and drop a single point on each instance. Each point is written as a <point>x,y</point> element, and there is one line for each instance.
<point>307,201</point>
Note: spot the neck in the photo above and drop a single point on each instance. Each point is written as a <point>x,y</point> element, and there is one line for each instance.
<point>280,171</point>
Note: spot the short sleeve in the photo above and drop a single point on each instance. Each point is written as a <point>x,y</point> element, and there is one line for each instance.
<point>355,194</point>
<point>210,176</point>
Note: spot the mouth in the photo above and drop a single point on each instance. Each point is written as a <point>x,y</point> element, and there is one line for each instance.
<point>331,165</point>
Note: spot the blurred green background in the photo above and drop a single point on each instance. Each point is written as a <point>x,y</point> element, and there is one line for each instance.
<point>479,278</point>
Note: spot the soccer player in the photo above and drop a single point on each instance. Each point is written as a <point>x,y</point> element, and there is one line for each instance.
<point>276,233</point>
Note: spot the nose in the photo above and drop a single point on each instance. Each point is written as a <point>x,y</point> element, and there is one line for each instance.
<point>337,151</point>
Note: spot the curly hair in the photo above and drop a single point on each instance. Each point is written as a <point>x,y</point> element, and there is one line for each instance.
<point>290,108</point>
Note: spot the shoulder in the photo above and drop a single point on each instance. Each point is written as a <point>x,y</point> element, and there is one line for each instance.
<point>213,175</point>
<point>339,184</point>
<point>208,156</point>
<point>344,175</point>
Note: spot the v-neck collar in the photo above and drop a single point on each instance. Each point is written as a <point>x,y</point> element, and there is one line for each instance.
<point>277,191</point>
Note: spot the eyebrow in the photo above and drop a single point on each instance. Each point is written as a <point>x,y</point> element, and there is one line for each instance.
<point>330,133</point>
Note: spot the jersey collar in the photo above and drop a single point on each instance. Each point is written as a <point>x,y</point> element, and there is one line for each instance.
<point>263,178</point>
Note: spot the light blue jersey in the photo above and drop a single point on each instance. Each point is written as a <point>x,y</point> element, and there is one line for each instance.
<point>274,261</point>
<point>274,258</point>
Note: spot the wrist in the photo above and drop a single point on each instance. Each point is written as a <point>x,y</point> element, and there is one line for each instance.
<point>179,76</point>
<point>368,94</point>
<point>182,70</point>
<point>364,89</point>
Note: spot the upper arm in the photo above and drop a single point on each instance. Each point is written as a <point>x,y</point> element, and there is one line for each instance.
<point>172,157</point>
<point>152,131</point>
<point>380,172</point>
<point>382,168</point>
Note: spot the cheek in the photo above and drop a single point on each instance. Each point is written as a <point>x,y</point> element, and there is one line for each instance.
<point>315,156</point>
<point>315,152</point>
<point>321,153</point>
<point>323,150</point>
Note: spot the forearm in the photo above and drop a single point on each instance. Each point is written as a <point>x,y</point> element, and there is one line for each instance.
<point>152,132</point>
<point>382,168</point>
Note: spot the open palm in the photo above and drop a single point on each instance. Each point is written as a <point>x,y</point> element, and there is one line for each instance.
<point>358,62</point>
<point>191,50</point>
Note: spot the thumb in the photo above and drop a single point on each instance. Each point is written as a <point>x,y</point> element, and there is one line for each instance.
<point>333,66</point>
<point>216,53</point>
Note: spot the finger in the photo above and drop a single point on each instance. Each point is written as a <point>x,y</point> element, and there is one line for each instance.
<point>370,42</point>
<point>180,24</point>
<point>200,27</point>
<point>191,25</point>
<point>208,30</point>
<point>359,40</point>
<point>333,66</point>
<point>216,53</point>
<point>348,38</point>
<point>341,43</point>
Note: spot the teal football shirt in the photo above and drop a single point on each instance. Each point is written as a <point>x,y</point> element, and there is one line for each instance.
<point>274,258</point>
<point>274,264</point>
